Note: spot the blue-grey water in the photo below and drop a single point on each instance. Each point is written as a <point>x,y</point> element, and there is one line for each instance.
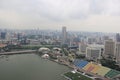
<point>30,67</point>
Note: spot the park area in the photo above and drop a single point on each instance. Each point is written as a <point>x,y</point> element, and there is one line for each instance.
<point>76,76</point>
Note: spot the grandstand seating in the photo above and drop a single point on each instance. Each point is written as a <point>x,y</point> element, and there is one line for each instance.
<point>103,70</point>
<point>112,73</point>
<point>91,67</point>
<point>76,62</point>
<point>96,68</point>
<point>80,63</point>
<point>88,67</point>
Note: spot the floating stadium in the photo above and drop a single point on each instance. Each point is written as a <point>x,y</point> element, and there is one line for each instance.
<point>96,68</point>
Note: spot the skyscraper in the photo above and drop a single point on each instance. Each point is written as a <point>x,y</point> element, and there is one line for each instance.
<point>18,36</point>
<point>109,48</point>
<point>117,49</point>
<point>3,35</point>
<point>64,35</point>
<point>118,37</point>
<point>82,47</point>
<point>117,52</point>
<point>93,53</point>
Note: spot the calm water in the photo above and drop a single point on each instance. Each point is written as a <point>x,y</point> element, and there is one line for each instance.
<point>30,67</point>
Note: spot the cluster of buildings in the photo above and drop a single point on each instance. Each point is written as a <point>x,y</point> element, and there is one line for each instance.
<point>94,45</point>
<point>110,49</point>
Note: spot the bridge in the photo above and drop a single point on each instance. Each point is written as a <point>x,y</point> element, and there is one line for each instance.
<point>18,52</point>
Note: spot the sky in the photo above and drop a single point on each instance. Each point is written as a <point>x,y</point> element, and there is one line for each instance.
<point>76,15</point>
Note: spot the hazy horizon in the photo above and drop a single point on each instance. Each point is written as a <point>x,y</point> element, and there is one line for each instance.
<point>77,15</point>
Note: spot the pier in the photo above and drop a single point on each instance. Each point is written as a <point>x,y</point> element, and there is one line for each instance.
<point>18,52</point>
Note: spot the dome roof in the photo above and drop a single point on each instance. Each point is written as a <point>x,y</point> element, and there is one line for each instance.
<point>44,48</point>
<point>55,48</point>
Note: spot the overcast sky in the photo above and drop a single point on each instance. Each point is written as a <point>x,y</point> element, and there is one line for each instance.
<point>80,15</point>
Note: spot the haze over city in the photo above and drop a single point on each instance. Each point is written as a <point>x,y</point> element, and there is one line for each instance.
<point>59,39</point>
<point>78,15</point>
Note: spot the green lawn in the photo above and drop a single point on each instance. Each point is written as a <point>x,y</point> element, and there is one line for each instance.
<point>76,76</point>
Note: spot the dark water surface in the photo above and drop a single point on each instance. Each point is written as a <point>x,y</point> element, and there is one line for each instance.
<point>30,67</point>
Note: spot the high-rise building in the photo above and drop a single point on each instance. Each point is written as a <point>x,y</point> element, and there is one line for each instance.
<point>64,35</point>
<point>109,48</point>
<point>105,38</point>
<point>3,35</point>
<point>82,47</point>
<point>117,52</point>
<point>18,36</point>
<point>91,40</point>
<point>93,53</point>
<point>8,36</point>
<point>118,37</point>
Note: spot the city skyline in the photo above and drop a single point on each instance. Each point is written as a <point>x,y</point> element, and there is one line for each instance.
<point>89,54</point>
<point>78,15</point>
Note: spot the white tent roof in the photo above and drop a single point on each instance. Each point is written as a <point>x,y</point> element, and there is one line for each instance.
<point>43,48</point>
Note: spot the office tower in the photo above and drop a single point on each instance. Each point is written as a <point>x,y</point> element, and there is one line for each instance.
<point>99,40</point>
<point>3,35</point>
<point>8,36</point>
<point>109,48</point>
<point>82,47</point>
<point>64,35</point>
<point>93,53</point>
<point>117,53</point>
<point>18,36</point>
<point>105,38</point>
<point>118,37</point>
<point>91,40</point>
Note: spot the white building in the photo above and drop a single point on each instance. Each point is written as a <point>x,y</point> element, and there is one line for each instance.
<point>82,47</point>
<point>8,37</point>
<point>34,42</point>
<point>44,50</point>
<point>93,53</point>
<point>46,56</point>
<point>57,50</point>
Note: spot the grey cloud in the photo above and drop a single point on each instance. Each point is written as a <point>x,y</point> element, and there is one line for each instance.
<point>106,7</point>
<point>62,9</point>
<point>40,12</point>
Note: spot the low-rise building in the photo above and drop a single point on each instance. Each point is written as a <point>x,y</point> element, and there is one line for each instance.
<point>44,50</point>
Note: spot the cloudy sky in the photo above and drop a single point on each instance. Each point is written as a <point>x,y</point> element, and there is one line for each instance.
<point>78,15</point>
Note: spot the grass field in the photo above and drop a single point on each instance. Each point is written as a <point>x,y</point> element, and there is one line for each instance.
<point>76,76</point>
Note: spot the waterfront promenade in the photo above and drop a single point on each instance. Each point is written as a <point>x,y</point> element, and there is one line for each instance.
<point>18,52</point>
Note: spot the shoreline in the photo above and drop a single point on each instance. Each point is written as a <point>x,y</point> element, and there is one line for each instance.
<point>72,67</point>
<point>61,63</point>
<point>64,65</point>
